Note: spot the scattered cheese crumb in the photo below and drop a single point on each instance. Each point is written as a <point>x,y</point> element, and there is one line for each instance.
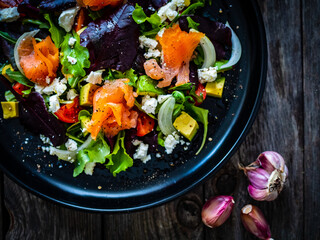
<point>71,145</point>
<point>72,94</point>
<point>72,60</point>
<point>207,74</point>
<point>142,153</point>
<point>152,53</point>
<point>54,104</point>
<point>71,42</point>
<point>147,42</point>
<point>171,142</point>
<point>149,104</point>
<point>94,77</point>
<point>57,86</point>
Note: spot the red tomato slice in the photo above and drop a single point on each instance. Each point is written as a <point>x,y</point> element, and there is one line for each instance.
<point>18,87</point>
<point>201,92</point>
<point>145,124</point>
<point>69,113</point>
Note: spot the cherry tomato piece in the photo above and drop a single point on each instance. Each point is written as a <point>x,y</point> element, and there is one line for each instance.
<point>201,92</point>
<point>18,87</point>
<point>69,113</point>
<point>145,124</point>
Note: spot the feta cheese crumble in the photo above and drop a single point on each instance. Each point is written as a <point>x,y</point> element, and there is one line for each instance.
<point>88,169</point>
<point>147,42</point>
<point>72,60</point>
<point>149,104</point>
<point>94,77</point>
<point>66,18</point>
<point>171,142</point>
<point>57,86</point>
<point>207,74</point>
<point>71,145</point>
<point>54,103</point>
<point>171,9</point>
<point>72,94</point>
<point>142,153</point>
<point>71,42</point>
<point>9,14</point>
<point>152,53</point>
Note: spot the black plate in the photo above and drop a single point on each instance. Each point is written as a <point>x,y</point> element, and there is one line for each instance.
<point>160,180</point>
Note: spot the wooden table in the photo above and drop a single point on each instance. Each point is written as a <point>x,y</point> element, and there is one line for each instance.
<point>288,122</point>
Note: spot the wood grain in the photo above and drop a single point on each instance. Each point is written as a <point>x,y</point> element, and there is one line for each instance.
<point>288,122</point>
<point>311,72</point>
<point>34,218</point>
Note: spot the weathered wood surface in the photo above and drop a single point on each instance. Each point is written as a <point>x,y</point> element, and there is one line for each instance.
<point>288,122</point>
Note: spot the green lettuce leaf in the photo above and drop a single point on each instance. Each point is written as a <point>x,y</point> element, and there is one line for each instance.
<point>7,37</point>
<point>18,77</point>
<point>130,74</point>
<point>119,160</point>
<point>57,33</point>
<point>74,72</point>
<point>200,115</point>
<point>96,152</point>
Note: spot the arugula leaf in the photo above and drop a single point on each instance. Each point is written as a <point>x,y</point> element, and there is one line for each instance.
<point>160,139</point>
<point>96,152</point>
<point>142,19</point>
<point>183,87</point>
<point>189,10</point>
<point>73,72</point>
<point>220,63</point>
<point>36,22</point>
<point>192,24</point>
<point>200,115</point>
<point>57,32</point>
<point>130,74</point>
<point>18,77</point>
<point>119,160</point>
<point>7,37</point>
<point>9,96</point>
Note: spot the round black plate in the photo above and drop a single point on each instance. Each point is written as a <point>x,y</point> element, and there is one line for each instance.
<point>160,180</point>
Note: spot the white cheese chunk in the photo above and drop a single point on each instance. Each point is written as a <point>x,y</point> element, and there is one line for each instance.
<point>152,53</point>
<point>149,104</point>
<point>71,145</point>
<point>207,74</point>
<point>95,77</point>
<point>66,18</point>
<point>142,153</point>
<point>147,42</point>
<point>171,142</point>
<point>71,42</point>
<point>72,60</point>
<point>54,103</point>
<point>72,94</point>
<point>57,86</point>
<point>9,14</point>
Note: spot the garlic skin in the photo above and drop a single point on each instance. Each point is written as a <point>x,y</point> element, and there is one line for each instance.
<point>254,221</point>
<point>217,210</point>
<point>267,176</point>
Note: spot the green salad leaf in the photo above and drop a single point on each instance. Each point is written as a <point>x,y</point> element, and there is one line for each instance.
<point>7,37</point>
<point>200,115</point>
<point>36,22</point>
<point>96,152</point>
<point>130,74</point>
<point>119,159</point>
<point>149,26</point>
<point>19,77</point>
<point>74,72</point>
<point>192,24</point>
<point>57,33</point>
<point>9,96</point>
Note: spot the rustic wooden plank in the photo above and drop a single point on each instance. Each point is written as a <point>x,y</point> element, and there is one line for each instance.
<point>179,219</point>
<point>311,72</point>
<point>278,127</point>
<point>34,218</point>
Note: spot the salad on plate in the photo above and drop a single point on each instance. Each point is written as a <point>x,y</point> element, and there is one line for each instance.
<point>107,83</point>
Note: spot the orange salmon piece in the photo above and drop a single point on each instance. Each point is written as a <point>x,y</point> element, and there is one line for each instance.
<point>111,107</point>
<point>177,48</point>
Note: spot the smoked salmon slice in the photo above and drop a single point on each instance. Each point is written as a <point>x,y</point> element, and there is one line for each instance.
<point>112,105</point>
<point>177,50</point>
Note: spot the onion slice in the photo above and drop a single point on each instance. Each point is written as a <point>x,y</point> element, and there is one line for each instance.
<point>165,116</point>
<point>70,156</point>
<point>208,50</point>
<point>23,37</point>
<point>236,50</point>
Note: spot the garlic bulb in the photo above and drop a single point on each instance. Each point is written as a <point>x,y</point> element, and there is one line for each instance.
<point>254,221</point>
<point>217,210</point>
<point>267,176</point>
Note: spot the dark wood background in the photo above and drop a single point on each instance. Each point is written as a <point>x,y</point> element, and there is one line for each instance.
<point>288,122</point>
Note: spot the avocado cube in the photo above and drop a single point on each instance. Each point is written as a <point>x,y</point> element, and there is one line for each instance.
<point>86,94</point>
<point>10,109</point>
<point>215,89</point>
<point>186,125</point>
<point>147,86</point>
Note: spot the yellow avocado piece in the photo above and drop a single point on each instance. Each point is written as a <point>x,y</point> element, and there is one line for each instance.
<point>10,109</point>
<point>186,125</point>
<point>215,89</point>
<point>86,94</point>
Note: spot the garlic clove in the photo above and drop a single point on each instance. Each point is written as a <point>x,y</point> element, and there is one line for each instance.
<point>271,160</point>
<point>254,221</point>
<point>262,194</point>
<point>259,178</point>
<point>217,210</point>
